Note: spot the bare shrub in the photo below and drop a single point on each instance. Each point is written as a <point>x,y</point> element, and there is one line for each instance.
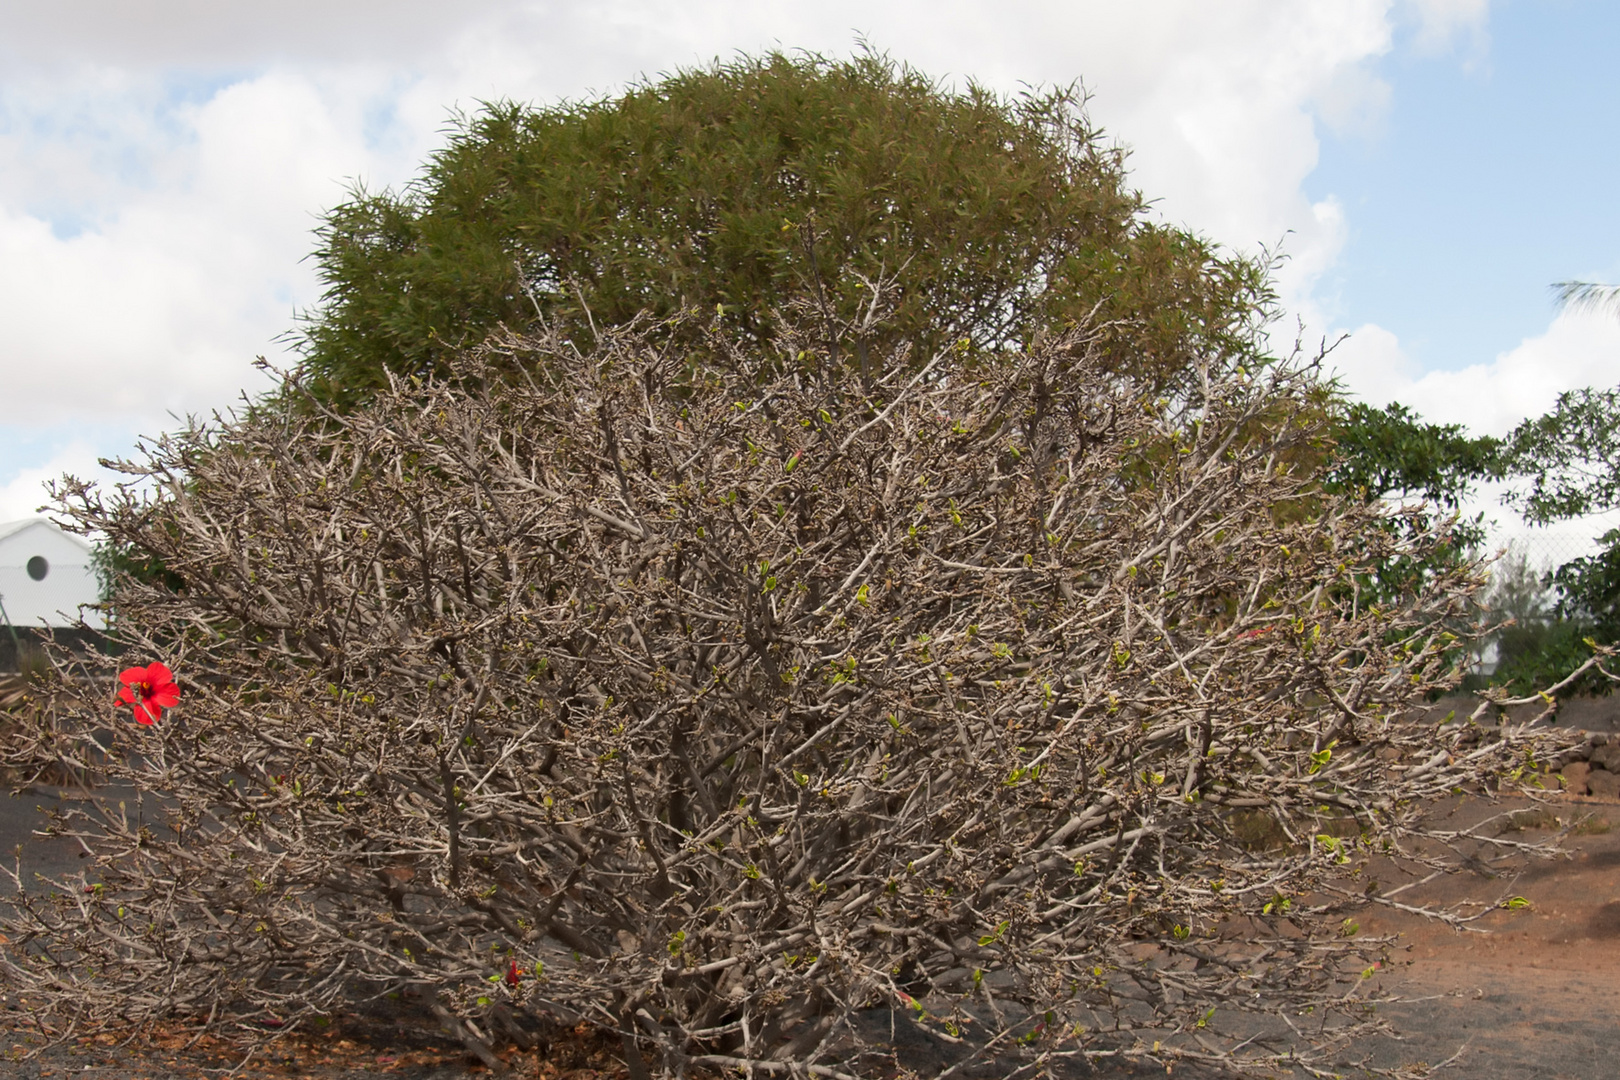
<point>717,703</point>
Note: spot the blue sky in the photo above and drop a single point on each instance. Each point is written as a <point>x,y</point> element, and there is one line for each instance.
<point>1431,166</point>
<point>1492,174</point>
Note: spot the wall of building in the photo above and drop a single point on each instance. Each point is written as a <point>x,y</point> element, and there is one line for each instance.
<point>45,576</point>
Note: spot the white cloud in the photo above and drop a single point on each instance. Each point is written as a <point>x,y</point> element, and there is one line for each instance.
<point>208,33</point>
<point>25,494</point>
<point>1371,365</point>
<point>162,306</point>
<point>165,162</point>
<point>1490,398</point>
<point>1442,24</point>
<point>1354,102</point>
<point>1221,117</point>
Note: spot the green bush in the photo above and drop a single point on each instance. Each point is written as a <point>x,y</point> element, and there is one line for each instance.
<point>747,187</point>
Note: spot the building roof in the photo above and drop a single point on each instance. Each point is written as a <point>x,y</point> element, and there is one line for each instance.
<point>10,528</point>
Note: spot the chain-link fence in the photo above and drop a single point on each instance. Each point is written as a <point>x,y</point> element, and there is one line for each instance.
<point>1543,547</point>
<point>1521,577</point>
<point>1544,551</point>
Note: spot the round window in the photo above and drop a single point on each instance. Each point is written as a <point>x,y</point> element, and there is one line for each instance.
<point>38,567</point>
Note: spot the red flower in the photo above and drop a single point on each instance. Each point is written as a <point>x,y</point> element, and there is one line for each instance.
<point>149,690</point>
<point>513,976</point>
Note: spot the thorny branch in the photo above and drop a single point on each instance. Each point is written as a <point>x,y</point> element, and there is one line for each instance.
<point>724,702</point>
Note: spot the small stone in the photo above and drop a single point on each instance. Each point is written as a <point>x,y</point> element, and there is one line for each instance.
<point>1575,777</point>
<point>1608,757</point>
<point>1603,783</point>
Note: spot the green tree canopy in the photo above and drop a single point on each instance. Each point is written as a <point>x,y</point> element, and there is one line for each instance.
<point>1393,451</point>
<point>1571,458</point>
<point>1564,464</point>
<point>742,188</point>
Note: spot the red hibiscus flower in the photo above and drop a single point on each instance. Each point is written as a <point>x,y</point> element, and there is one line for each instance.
<point>513,976</point>
<point>149,690</point>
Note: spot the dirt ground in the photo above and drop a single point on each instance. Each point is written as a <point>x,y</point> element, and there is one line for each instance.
<point>1534,992</point>
<point>1531,993</point>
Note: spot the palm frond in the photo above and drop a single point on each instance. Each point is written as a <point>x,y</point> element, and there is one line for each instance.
<point>1588,296</point>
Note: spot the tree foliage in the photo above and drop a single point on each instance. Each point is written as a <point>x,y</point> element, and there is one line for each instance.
<point>742,188</point>
<point>1391,451</point>
<point>1571,459</point>
<point>704,699</point>
<point>1568,465</point>
<point>1571,456</point>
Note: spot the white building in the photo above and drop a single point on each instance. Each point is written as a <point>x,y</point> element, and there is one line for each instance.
<point>45,575</point>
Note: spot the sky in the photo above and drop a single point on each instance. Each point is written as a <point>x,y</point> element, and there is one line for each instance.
<point>1428,168</point>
